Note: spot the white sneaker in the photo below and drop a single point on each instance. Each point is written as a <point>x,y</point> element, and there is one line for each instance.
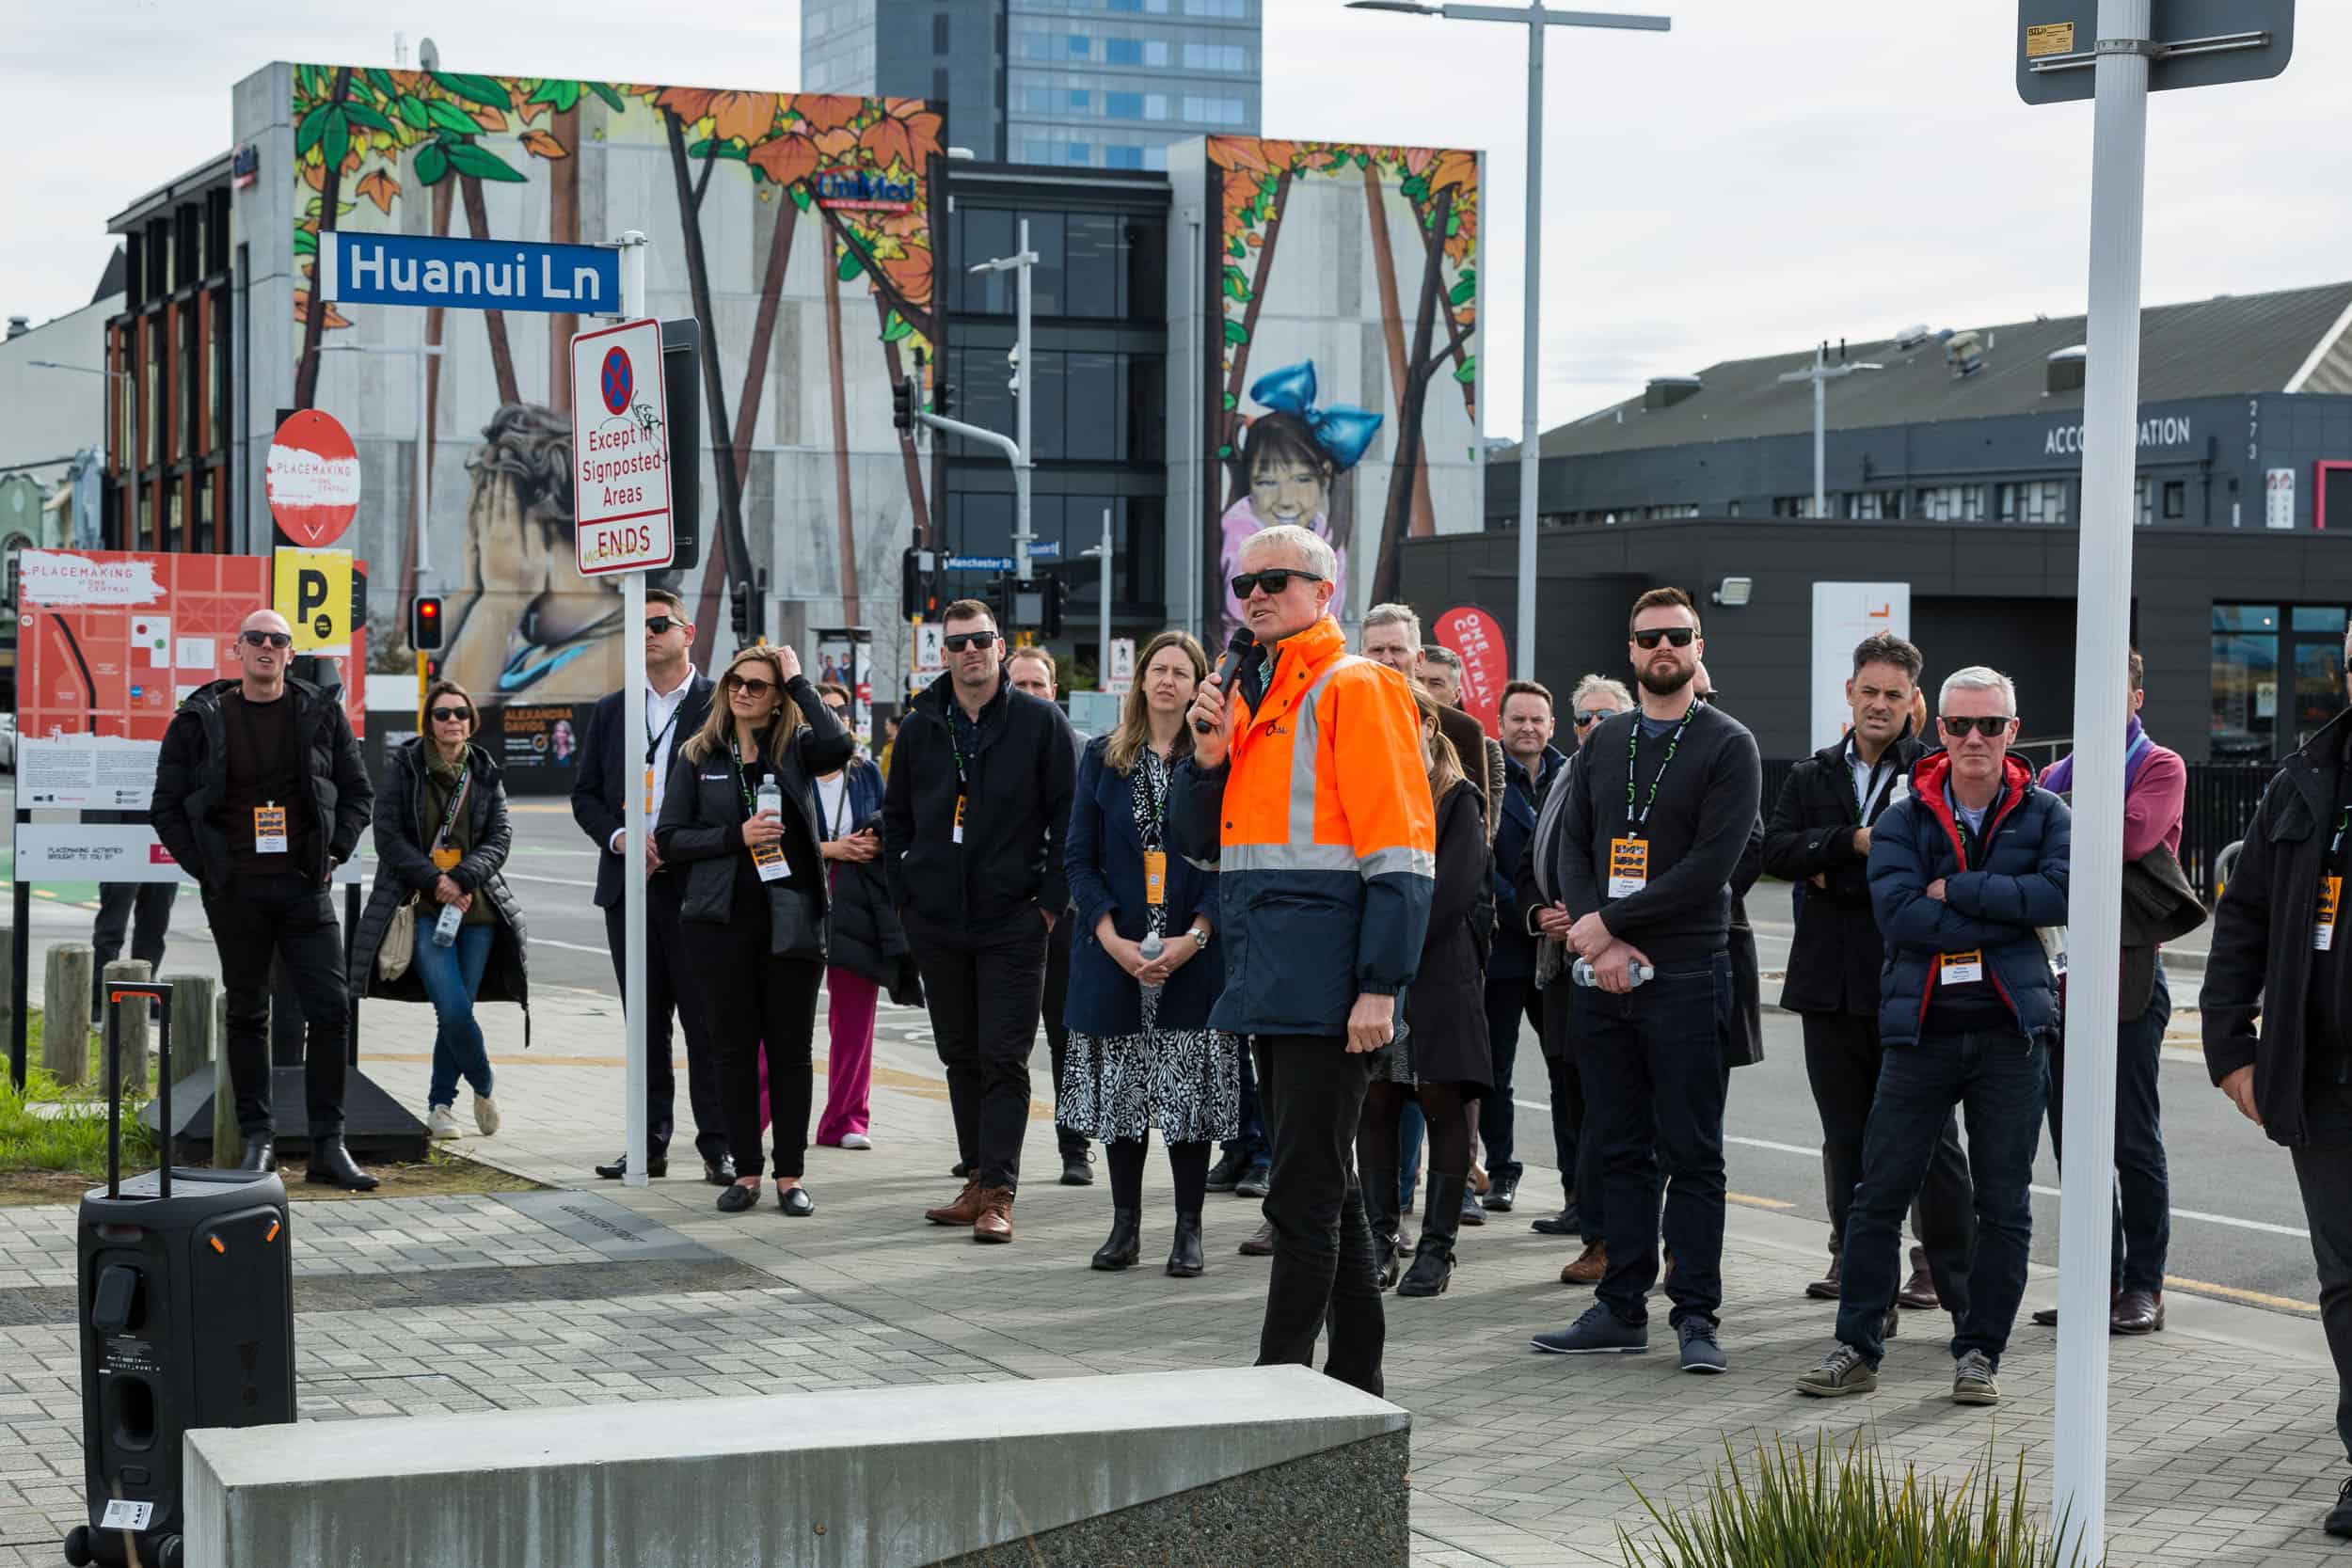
<point>440,1123</point>
<point>485,1115</point>
<point>856,1140</point>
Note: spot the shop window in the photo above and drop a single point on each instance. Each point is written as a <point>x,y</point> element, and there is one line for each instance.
<point>2175,499</point>
<point>1952,504</point>
<point>2036,502</point>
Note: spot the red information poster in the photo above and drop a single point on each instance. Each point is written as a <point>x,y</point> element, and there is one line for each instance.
<point>1473,634</point>
<point>109,643</point>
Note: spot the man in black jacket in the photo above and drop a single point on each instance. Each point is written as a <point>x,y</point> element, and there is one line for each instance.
<point>2278,1015</point>
<point>973,821</point>
<point>260,794</point>
<point>1819,839</point>
<point>1661,808</point>
<point>677,699</point>
<point>1531,763</point>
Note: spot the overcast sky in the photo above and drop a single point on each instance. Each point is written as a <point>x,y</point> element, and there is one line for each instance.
<point>1769,173</point>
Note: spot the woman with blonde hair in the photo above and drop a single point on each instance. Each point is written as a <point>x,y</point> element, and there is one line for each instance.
<point>740,821</point>
<point>1144,968</point>
<point>1442,1059</point>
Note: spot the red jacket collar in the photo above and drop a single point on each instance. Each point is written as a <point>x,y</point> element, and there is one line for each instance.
<point>1933,770</point>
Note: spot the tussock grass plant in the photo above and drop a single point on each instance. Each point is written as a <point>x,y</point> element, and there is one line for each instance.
<point>71,1138</point>
<point>1822,1507</point>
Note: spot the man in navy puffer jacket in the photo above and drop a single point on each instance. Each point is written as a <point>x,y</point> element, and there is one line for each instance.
<point>1963,875</point>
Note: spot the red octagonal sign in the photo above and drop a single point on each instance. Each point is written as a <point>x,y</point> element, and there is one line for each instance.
<point>313,479</point>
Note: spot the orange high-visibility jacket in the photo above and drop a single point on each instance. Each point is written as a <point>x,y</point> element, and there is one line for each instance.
<point>1322,832</point>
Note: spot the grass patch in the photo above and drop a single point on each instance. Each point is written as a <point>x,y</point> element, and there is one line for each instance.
<point>1822,1508</point>
<point>69,1140</point>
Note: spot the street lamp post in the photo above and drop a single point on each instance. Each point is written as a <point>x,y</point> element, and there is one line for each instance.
<point>1021,261</point>
<point>1534,18</point>
<point>1821,373</point>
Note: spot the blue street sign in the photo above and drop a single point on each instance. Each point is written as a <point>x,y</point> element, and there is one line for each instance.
<point>979,564</point>
<point>469,275</point>
<point>1045,549</point>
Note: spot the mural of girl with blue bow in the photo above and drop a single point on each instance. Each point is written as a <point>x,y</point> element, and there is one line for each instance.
<point>1290,455</point>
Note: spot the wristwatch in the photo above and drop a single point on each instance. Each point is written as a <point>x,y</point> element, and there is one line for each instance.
<point>1200,937</point>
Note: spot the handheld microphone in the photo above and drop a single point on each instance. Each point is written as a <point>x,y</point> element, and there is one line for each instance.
<point>1235,646</point>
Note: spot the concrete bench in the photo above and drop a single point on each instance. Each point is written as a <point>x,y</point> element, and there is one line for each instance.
<point>1262,1465</point>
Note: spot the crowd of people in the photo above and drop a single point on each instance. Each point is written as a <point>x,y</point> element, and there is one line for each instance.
<point>1299,906</point>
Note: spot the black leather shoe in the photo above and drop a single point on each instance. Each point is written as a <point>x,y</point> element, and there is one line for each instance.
<point>1567,1222</point>
<point>1077,1170</point>
<point>1125,1246</point>
<point>655,1164</point>
<point>1255,1182</point>
<point>720,1172</point>
<point>1261,1242</point>
<point>1228,1171</point>
<point>796,1202</point>
<point>331,1165</point>
<point>737,1198</point>
<point>2339,1516</point>
<point>261,1152</point>
<point>2047,1318</point>
<point>1500,1196</point>
<point>1184,1253</point>
<point>1471,1212</point>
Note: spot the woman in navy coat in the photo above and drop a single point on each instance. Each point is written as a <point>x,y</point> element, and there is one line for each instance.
<point>1141,1051</point>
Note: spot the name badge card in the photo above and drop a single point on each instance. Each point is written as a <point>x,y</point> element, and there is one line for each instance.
<point>1961,968</point>
<point>269,830</point>
<point>769,859</point>
<point>958,836</point>
<point>446,859</point>
<point>1628,866</point>
<point>1155,876</point>
<point>2324,926</point>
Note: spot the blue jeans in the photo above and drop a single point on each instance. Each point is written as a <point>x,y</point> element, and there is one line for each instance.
<point>1412,1128</point>
<point>1652,1066</point>
<point>452,977</point>
<point>2143,1204</point>
<point>1998,1078</point>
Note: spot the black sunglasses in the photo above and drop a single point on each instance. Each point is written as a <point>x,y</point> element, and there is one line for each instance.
<point>837,708</point>
<point>1275,581</point>
<point>1585,720</point>
<point>443,714</point>
<point>1680,636</point>
<point>956,641</point>
<point>1990,728</point>
<point>752,684</point>
<point>657,624</point>
<point>266,639</point>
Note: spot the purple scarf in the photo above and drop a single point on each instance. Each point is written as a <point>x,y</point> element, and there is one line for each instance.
<point>2061,779</point>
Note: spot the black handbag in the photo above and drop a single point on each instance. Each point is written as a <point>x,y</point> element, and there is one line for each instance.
<point>795,929</point>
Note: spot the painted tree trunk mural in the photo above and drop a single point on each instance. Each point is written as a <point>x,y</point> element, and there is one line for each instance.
<point>493,321</point>
<point>844,518</point>
<point>1420,368</point>
<point>1229,420</point>
<point>563,228</point>
<point>733,562</point>
<point>444,199</point>
<point>1392,331</point>
<point>326,128</point>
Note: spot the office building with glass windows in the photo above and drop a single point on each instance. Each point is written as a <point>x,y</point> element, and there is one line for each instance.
<point>1072,83</point>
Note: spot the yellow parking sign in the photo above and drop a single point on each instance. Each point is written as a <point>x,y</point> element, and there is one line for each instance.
<point>311,589</point>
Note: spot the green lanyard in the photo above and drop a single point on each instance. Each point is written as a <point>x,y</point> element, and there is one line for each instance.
<point>1635,822</point>
<point>734,749</point>
<point>2342,823</point>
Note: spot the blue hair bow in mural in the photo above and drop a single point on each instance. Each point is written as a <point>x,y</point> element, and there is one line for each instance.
<point>1342,431</point>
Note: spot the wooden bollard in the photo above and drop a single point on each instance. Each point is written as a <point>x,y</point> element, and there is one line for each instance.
<point>132,1028</point>
<point>64,1012</point>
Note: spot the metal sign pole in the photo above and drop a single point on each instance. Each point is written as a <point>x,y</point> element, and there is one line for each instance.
<point>637,796</point>
<point>1530,350</point>
<point>2094,914</point>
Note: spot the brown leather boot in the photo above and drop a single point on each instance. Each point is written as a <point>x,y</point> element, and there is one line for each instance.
<point>994,1223</point>
<point>963,1211</point>
<point>1590,1265</point>
<point>1919,1289</point>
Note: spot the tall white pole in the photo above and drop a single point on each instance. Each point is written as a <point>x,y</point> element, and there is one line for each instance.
<point>1530,354</point>
<point>639,796</point>
<point>2110,414</point>
<point>1021,430</point>
<point>1820,437</point>
<point>1102,651</point>
<point>424,438</point>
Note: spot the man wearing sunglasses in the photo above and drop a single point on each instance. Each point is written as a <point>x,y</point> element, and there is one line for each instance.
<point>611,762</point>
<point>1306,792</point>
<point>1819,839</point>
<point>973,819</point>
<point>1662,805</point>
<point>259,793</point>
<point>1963,873</point>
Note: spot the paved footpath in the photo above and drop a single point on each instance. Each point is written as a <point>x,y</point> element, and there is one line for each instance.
<point>2223,1447</point>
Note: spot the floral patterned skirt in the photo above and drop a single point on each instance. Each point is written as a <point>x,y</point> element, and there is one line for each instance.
<point>1186,1083</point>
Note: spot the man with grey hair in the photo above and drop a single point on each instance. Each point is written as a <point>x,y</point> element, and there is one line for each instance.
<point>1962,874</point>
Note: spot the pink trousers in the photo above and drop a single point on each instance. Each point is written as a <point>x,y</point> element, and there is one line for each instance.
<point>849,1058</point>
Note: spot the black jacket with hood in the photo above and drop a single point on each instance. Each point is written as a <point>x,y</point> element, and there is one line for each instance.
<point>192,776</point>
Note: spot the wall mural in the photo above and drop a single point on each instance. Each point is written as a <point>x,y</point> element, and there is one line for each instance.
<point>1337,402</point>
<point>797,229</point>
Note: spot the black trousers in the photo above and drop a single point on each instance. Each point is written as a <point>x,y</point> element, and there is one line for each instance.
<point>2324,1172</point>
<point>984,987</point>
<point>282,915</point>
<point>1842,1056</point>
<point>117,902</point>
<point>1508,1000</point>
<point>1312,1090</point>
<point>1057,1025</point>
<point>754,1002</point>
<point>670,986</point>
<point>1575,1140</point>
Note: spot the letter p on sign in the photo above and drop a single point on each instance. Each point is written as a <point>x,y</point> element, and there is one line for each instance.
<point>311,589</point>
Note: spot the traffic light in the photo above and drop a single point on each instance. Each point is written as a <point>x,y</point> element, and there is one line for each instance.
<point>902,404</point>
<point>943,398</point>
<point>750,609</point>
<point>425,623</point>
<point>1056,600</point>
<point>918,590</point>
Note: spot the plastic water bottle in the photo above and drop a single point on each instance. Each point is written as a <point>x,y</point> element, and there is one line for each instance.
<point>445,928</point>
<point>770,800</point>
<point>1585,974</point>
<point>1151,947</point>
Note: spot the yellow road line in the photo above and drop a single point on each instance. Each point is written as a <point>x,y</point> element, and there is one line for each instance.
<point>2231,1292</point>
<point>1745,1201</point>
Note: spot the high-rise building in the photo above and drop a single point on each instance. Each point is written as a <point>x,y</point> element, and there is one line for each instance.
<point>1095,83</point>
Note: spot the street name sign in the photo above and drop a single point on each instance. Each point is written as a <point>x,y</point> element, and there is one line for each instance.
<point>620,450</point>
<point>359,268</point>
<point>2194,44</point>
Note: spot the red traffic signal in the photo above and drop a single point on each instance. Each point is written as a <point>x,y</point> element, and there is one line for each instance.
<point>425,623</point>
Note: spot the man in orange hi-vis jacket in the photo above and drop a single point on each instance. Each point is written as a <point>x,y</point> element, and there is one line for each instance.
<point>1307,791</point>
